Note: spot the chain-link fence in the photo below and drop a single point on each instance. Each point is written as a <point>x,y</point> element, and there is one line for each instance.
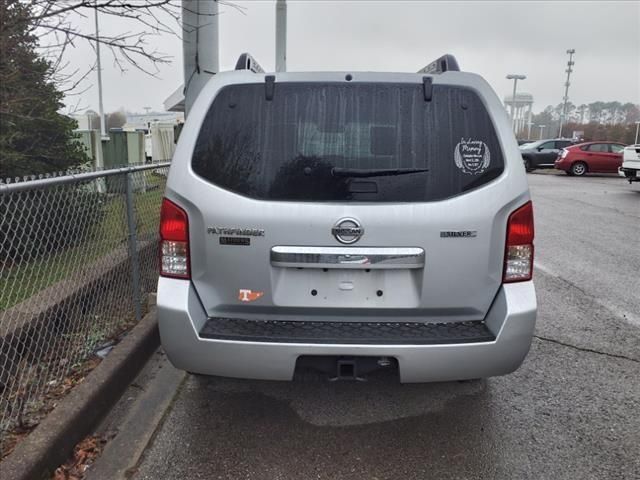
<point>78,257</point>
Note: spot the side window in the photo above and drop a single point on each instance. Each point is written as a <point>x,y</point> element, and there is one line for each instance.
<point>599,147</point>
<point>562,144</point>
<point>615,148</point>
<point>547,146</point>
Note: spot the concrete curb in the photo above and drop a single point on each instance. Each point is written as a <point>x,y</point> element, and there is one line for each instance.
<point>77,415</point>
<point>122,454</point>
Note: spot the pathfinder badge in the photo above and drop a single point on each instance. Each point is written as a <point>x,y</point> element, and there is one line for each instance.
<point>251,232</point>
<point>472,156</point>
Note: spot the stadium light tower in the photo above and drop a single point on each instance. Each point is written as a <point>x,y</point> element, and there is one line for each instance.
<point>570,64</point>
<point>515,78</point>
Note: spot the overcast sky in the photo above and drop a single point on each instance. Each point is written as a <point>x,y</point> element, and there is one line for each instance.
<point>489,38</point>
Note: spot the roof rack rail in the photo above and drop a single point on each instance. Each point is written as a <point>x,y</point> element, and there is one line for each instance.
<point>446,63</point>
<point>247,62</point>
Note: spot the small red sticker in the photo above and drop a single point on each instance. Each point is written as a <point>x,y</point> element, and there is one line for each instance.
<point>246,295</point>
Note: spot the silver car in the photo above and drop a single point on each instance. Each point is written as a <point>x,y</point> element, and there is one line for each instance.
<point>347,222</point>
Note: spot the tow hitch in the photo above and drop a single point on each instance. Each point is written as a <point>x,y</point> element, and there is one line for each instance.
<point>343,368</point>
<point>347,370</point>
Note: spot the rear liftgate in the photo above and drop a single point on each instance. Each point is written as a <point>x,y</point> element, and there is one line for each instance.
<point>347,277</point>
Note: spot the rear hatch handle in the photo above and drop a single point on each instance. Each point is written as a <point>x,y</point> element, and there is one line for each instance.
<point>347,257</point>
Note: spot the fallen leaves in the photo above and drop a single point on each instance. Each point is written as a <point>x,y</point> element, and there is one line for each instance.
<point>83,456</point>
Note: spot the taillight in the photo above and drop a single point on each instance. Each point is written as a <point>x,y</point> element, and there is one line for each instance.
<point>174,241</point>
<point>518,258</point>
<point>565,152</point>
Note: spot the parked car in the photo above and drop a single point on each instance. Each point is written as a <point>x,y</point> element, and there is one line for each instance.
<point>630,168</point>
<point>314,221</point>
<point>591,157</point>
<point>542,153</point>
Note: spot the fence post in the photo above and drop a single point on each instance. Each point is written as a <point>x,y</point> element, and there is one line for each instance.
<point>133,246</point>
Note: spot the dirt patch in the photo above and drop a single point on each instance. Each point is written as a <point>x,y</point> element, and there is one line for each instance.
<point>32,413</point>
<point>32,418</point>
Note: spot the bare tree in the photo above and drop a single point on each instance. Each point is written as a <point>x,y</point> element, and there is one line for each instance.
<point>56,23</point>
<point>36,80</point>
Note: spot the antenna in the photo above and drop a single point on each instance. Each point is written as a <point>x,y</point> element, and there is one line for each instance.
<point>570,64</point>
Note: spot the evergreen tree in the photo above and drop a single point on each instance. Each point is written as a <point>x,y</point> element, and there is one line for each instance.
<point>34,137</point>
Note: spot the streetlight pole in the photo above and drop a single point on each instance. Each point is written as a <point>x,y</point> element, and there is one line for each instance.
<point>540,127</point>
<point>570,64</point>
<point>103,126</point>
<point>637,129</point>
<point>515,78</point>
<point>281,36</point>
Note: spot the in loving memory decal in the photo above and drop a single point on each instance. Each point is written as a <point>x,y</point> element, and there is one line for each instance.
<point>472,156</point>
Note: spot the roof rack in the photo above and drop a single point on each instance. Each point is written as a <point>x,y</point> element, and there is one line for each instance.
<point>446,63</point>
<point>247,62</point>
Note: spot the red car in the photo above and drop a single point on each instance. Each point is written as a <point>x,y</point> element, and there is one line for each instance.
<point>590,157</point>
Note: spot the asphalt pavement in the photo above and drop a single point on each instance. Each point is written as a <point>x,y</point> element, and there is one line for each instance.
<point>572,411</point>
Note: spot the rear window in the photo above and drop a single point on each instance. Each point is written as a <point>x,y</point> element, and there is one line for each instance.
<point>371,142</point>
<point>598,147</point>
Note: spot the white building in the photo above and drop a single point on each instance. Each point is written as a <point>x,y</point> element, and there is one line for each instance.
<point>86,120</point>
<point>144,121</point>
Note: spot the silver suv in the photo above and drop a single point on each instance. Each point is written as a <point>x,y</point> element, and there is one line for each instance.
<point>347,222</point>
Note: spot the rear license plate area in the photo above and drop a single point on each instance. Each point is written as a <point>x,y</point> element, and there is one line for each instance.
<point>349,288</point>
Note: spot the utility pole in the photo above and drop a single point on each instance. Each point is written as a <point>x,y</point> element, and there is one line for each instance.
<point>199,46</point>
<point>637,129</point>
<point>570,64</point>
<point>103,126</point>
<point>281,36</point>
<point>540,127</point>
<point>515,78</point>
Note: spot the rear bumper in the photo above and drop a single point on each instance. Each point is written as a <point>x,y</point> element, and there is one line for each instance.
<point>633,174</point>
<point>561,165</point>
<point>511,319</point>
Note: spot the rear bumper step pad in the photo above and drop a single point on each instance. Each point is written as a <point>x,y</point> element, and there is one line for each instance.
<point>363,333</point>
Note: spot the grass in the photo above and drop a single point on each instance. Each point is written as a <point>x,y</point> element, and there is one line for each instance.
<point>19,282</point>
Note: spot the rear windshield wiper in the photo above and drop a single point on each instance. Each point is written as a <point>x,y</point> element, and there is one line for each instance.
<point>374,172</point>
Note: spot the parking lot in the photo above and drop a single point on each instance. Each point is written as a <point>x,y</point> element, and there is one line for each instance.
<point>571,411</point>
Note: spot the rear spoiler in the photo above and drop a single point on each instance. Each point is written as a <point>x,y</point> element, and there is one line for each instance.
<point>446,63</point>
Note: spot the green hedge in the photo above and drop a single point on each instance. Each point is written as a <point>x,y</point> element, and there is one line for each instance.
<point>38,223</point>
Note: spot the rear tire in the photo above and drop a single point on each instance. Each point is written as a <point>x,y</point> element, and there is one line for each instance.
<point>579,169</point>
